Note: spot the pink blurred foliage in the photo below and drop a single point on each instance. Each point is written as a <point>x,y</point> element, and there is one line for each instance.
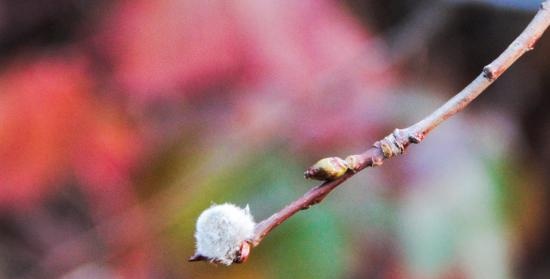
<point>55,129</point>
<point>291,65</point>
<point>301,71</point>
<point>41,115</point>
<point>52,125</point>
<point>159,46</point>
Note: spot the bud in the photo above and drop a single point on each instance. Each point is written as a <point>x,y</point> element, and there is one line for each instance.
<point>222,234</point>
<point>327,169</point>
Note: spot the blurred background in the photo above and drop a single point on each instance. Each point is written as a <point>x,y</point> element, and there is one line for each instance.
<point>120,121</point>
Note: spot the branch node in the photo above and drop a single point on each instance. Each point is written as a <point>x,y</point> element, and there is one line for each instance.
<point>390,145</point>
<point>532,44</point>
<point>490,73</point>
<point>416,139</point>
<point>376,161</point>
<point>354,162</point>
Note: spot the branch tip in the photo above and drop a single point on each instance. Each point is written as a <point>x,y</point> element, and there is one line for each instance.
<point>197,258</point>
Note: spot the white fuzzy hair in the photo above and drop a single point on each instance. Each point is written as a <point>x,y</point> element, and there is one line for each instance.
<point>221,229</point>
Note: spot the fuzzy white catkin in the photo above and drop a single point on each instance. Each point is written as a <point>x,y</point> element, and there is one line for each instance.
<point>221,229</point>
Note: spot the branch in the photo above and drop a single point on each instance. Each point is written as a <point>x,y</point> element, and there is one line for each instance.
<point>397,142</point>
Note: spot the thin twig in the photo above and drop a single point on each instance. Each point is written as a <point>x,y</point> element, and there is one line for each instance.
<point>398,141</point>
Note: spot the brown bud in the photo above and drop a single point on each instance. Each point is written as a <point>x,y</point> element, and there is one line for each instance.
<point>327,169</point>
